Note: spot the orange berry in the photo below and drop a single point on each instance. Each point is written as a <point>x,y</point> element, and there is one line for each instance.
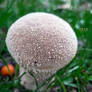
<point>5,71</point>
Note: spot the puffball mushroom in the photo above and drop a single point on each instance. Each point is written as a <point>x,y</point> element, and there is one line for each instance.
<point>41,43</point>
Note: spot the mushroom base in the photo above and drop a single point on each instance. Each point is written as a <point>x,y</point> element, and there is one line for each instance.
<point>29,82</point>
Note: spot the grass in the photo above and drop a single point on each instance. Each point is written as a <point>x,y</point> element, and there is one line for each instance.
<point>78,73</point>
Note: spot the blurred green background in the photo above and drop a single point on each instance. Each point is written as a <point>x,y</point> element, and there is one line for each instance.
<point>77,75</point>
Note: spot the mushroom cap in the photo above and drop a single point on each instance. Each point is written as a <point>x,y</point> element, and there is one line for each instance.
<point>42,43</point>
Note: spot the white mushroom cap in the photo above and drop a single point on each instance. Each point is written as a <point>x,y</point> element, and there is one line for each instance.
<point>42,43</point>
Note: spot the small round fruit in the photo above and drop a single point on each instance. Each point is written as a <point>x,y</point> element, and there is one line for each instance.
<point>5,71</point>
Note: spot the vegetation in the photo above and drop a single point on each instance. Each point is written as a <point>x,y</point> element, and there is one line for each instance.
<point>78,73</point>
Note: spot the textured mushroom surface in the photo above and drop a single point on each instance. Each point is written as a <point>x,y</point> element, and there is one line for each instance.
<point>41,43</point>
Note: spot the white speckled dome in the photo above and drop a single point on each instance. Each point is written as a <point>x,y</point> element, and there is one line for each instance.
<point>41,43</point>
